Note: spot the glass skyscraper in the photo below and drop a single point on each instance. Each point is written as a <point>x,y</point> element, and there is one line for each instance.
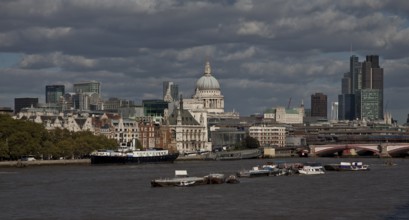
<point>53,93</point>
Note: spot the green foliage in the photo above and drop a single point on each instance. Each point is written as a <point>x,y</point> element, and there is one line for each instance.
<point>19,137</point>
<point>250,142</point>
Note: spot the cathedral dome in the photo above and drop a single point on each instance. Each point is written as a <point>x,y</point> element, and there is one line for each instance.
<point>207,81</point>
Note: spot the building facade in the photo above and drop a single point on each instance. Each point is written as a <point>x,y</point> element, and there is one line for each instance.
<point>346,107</point>
<point>154,107</point>
<point>114,104</point>
<point>268,136</point>
<point>53,93</point>
<point>92,86</point>
<point>369,104</point>
<point>319,106</point>
<point>20,103</point>
<point>286,116</point>
<point>189,129</point>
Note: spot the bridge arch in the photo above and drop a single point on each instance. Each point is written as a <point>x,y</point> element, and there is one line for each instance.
<point>398,150</point>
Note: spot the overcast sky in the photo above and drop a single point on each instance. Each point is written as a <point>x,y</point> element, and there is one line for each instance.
<point>262,52</point>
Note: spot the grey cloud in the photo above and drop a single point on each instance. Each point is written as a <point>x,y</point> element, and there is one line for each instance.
<point>262,51</point>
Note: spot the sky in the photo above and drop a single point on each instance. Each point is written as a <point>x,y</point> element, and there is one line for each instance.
<point>264,53</point>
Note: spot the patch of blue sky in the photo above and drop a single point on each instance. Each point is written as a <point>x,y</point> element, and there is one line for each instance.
<point>9,59</point>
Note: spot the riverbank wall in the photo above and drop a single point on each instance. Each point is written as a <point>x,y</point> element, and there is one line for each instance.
<point>20,163</point>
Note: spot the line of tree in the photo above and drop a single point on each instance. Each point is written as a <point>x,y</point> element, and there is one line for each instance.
<point>19,138</point>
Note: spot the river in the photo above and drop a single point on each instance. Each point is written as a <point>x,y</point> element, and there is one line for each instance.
<point>124,192</point>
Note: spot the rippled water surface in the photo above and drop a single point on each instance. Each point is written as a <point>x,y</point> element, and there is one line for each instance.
<point>124,192</point>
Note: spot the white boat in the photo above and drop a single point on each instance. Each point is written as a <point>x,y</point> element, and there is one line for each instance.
<point>311,170</point>
<point>347,166</point>
<point>181,179</point>
<point>129,154</point>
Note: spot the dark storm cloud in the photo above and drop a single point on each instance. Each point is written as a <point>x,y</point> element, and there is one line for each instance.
<point>262,52</point>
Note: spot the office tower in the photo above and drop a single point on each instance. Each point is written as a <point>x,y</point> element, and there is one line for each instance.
<point>170,91</point>
<point>355,73</point>
<point>365,100</point>
<point>370,98</point>
<point>369,104</point>
<point>20,103</point>
<point>347,83</point>
<point>374,59</point>
<point>53,93</point>
<point>319,105</point>
<point>346,107</point>
<point>372,74</point>
<point>88,87</point>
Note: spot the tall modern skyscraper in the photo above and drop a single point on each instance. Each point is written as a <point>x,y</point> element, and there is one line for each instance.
<point>53,93</point>
<point>355,73</point>
<point>347,83</point>
<point>372,74</point>
<point>170,91</point>
<point>370,97</point>
<point>319,105</point>
<point>365,99</point>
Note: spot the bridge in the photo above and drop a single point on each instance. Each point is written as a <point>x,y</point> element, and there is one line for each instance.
<point>381,150</point>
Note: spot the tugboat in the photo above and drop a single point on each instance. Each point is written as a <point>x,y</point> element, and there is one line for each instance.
<point>128,154</point>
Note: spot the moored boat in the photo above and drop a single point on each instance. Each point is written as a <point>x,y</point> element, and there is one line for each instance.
<point>347,166</point>
<point>311,170</point>
<point>254,172</point>
<point>232,179</point>
<point>235,155</point>
<point>128,154</point>
<point>215,178</point>
<point>181,179</point>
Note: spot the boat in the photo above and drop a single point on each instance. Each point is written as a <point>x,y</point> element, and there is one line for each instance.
<point>347,166</point>
<point>254,172</point>
<point>126,154</point>
<point>232,179</point>
<point>311,170</point>
<point>235,155</point>
<point>269,169</point>
<point>215,178</point>
<point>181,179</point>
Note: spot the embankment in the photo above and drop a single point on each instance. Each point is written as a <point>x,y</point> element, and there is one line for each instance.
<point>44,163</point>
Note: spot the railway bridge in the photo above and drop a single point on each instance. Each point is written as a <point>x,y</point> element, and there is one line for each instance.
<point>381,150</point>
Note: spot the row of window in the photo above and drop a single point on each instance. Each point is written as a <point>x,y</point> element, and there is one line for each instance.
<point>133,129</point>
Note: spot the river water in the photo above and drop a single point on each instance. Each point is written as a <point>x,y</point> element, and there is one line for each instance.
<point>124,192</point>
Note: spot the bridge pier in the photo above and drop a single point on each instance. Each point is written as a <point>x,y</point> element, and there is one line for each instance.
<point>383,151</point>
<point>312,151</point>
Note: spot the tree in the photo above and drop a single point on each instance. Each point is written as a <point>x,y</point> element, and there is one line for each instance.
<point>20,137</point>
<point>4,150</point>
<point>250,142</point>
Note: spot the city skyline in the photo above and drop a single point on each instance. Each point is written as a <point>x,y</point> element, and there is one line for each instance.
<point>263,53</point>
